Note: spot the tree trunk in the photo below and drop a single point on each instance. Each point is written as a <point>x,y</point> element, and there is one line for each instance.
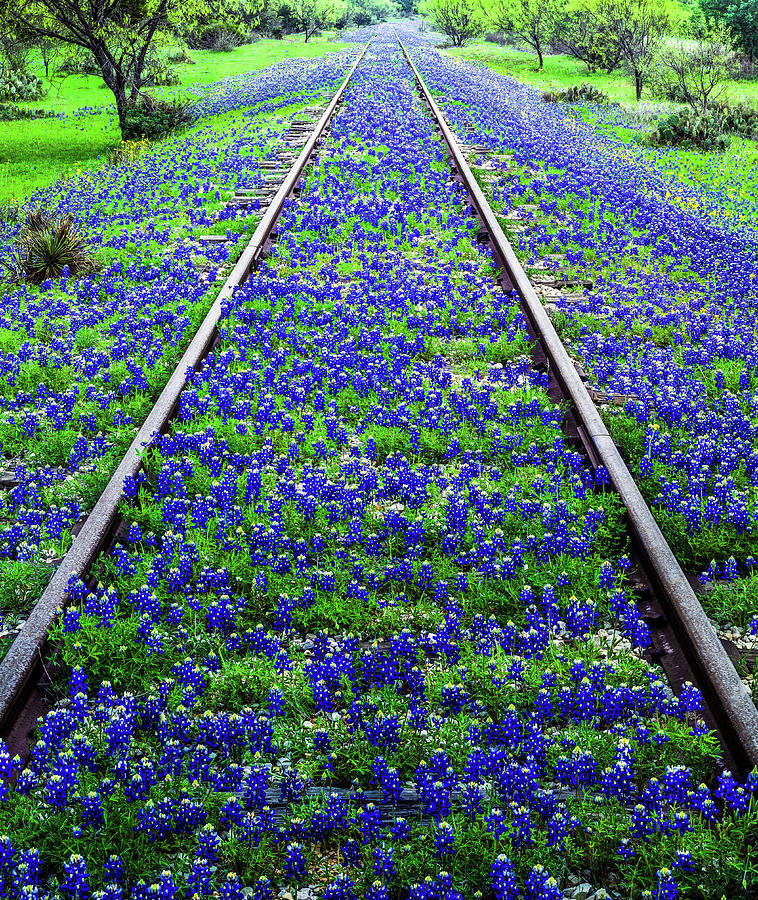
<point>638,84</point>
<point>539,57</point>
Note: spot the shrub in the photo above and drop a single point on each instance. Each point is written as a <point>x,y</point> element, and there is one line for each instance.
<point>178,55</point>
<point>48,246</point>
<point>10,113</point>
<point>153,119</point>
<point>127,152</point>
<point>690,129</point>
<point>79,64</point>
<point>220,38</point>
<point>495,37</point>
<point>10,213</point>
<point>582,93</point>
<point>19,86</point>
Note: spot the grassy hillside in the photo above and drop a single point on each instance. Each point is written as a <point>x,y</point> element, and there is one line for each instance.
<point>35,153</point>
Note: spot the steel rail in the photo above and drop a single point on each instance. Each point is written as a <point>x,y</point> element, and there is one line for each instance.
<point>23,663</point>
<point>735,714</point>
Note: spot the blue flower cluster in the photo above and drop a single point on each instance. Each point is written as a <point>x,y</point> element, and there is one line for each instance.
<point>670,342</point>
<point>369,628</point>
<point>81,359</point>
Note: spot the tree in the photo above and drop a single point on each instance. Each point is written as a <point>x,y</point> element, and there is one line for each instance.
<point>460,20</point>
<point>310,16</point>
<point>51,51</point>
<point>118,34</point>
<point>408,7</point>
<point>638,28</point>
<point>15,47</point>
<point>741,17</point>
<point>368,12</point>
<point>696,72</point>
<point>582,37</point>
<point>534,21</point>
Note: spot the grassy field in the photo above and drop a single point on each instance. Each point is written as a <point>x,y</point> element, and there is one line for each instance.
<point>35,153</point>
<point>560,71</point>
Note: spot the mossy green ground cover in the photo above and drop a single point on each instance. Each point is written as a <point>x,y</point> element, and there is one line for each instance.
<point>33,154</point>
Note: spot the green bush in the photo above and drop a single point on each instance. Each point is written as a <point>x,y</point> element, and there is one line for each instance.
<point>578,93</point>
<point>218,37</point>
<point>691,130</point>
<point>178,55</point>
<point>10,113</point>
<point>20,86</point>
<point>153,119</point>
<point>80,63</point>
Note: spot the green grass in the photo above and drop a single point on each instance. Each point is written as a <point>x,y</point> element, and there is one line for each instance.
<point>35,153</point>
<point>561,71</point>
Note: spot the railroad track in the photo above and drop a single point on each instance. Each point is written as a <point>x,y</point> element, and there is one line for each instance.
<point>685,643</point>
<point>21,700</point>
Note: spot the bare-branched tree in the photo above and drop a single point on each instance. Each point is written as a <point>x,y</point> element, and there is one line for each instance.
<point>638,28</point>
<point>310,16</point>
<point>581,36</point>
<point>697,72</point>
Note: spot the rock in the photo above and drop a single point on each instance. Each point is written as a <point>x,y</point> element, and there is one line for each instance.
<point>285,895</point>
<point>583,891</point>
<point>573,881</point>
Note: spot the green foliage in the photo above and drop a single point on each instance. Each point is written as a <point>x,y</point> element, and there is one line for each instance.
<point>740,16</point>
<point>154,119</point>
<point>581,38</point>
<point>369,12</point>
<point>578,93</point>
<point>535,22</point>
<point>690,129</point>
<point>219,37</point>
<point>19,86</point>
<point>158,72</point>
<point>460,20</point>
<point>177,55</point>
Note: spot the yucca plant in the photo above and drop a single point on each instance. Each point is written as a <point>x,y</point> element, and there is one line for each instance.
<point>55,246</point>
<point>49,245</point>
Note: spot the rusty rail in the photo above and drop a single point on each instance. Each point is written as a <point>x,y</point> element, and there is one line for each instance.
<point>23,664</point>
<point>731,710</point>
